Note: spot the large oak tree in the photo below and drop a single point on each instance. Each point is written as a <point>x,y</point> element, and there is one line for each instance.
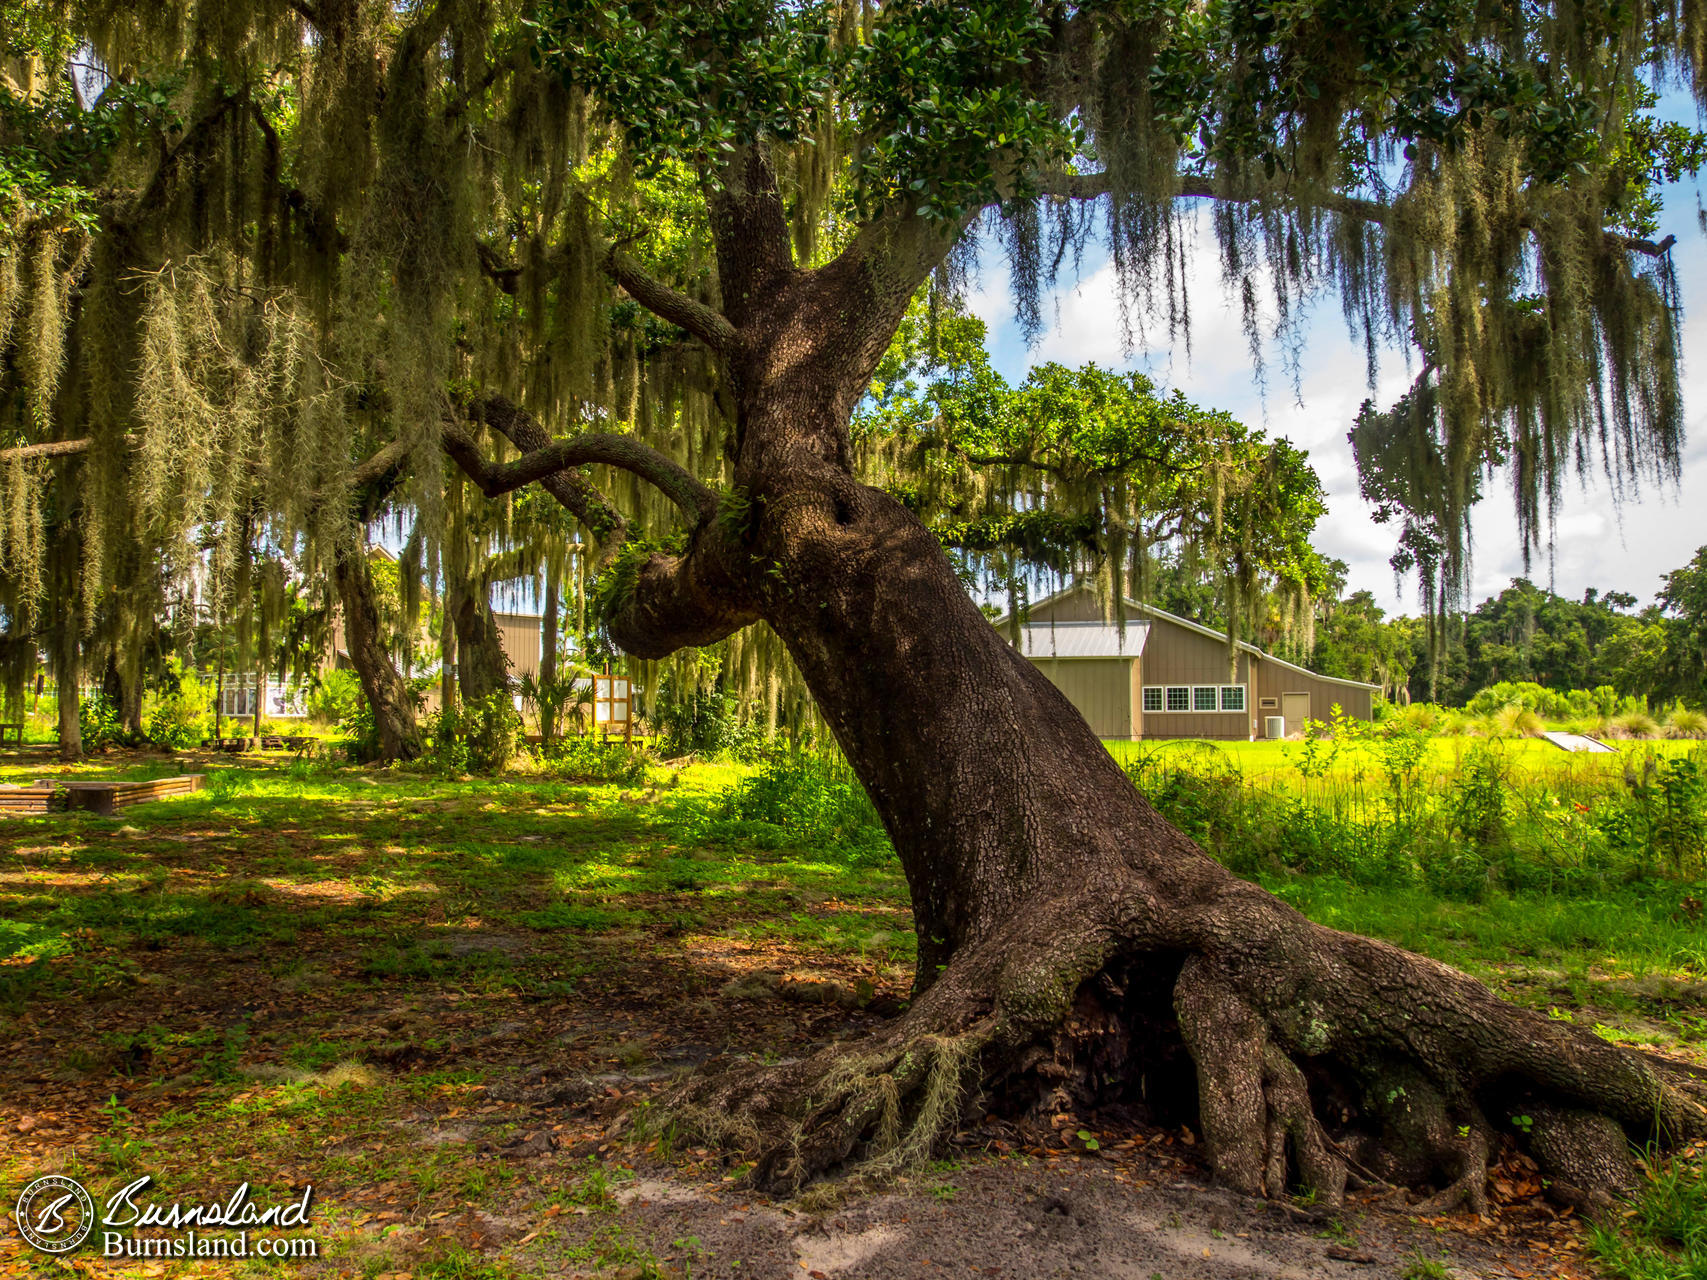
<point>683,234</point>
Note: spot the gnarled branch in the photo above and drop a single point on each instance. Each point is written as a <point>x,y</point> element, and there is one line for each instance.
<point>572,491</point>
<point>680,601</point>
<point>546,458</point>
<point>670,304</point>
<point>492,265</point>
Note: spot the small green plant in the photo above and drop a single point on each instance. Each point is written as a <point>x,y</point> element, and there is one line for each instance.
<point>1419,1266</point>
<point>1662,1232</point>
<point>1320,750</point>
<point>1337,1231</point>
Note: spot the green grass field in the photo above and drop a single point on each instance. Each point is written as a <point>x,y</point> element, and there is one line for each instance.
<point>283,973</point>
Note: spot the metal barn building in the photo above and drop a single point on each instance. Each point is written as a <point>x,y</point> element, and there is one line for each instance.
<point>1168,677</point>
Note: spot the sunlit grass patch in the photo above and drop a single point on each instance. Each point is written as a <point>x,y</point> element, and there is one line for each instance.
<point>1662,1233</point>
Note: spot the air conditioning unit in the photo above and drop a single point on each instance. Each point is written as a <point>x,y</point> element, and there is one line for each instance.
<point>1274,726</point>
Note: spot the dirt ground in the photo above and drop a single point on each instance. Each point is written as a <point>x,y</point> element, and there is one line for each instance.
<point>1142,1208</point>
<point>450,1010</point>
<point>1029,1223</point>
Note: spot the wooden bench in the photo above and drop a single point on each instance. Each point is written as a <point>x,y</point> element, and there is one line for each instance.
<point>107,798</point>
<point>15,728</point>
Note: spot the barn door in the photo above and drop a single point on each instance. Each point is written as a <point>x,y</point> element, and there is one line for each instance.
<point>1296,708</point>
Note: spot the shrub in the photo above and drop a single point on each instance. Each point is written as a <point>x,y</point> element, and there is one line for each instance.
<point>98,722</point>
<point>1522,693</point>
<point>1454,724</point>
<point>178,717</point>
<point>1421,716</point>
<point>590,760</point>
<point>699,721</point>
<point>1686,722</point>
<point>360,732</point>
<point>479,737</point>
<point>1636,724</point>
<point>804,800</point>
<point>1517,721</point>
<point>1479,800</point>
<point>336,697</point>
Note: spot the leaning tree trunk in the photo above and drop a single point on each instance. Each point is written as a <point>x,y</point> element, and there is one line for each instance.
<point>387,694</point>
<point>122,685</point>
<point>1075,948</point>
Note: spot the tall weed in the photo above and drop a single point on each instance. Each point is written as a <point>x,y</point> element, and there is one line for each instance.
<point>1481,824</point>
<point>802,800</point>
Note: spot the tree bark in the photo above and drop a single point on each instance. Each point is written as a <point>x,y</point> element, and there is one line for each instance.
<point>121,681</point>
<point>399,736</point>
<point>482,669</point>
<point>548,699</point>
<point>447,657</point>
<point>112,683</point>
<point>67,671</point>
<point>130,708</point>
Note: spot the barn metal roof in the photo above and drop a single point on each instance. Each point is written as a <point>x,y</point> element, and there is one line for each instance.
<point>1132,651</point>
<point>1083,639</point>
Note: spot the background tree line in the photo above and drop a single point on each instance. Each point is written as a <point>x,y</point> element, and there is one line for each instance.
<point>1527,633</point>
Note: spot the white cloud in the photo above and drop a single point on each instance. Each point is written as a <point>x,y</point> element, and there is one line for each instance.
<point>1596,541</point>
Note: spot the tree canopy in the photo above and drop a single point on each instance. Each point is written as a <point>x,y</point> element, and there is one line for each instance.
<point>1085,472</point>
<point>289,234</point>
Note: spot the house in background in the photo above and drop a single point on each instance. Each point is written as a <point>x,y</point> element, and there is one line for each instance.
<point>1168,677</point>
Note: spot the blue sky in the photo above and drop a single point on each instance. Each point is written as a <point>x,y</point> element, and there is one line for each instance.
<point>1597,542</point>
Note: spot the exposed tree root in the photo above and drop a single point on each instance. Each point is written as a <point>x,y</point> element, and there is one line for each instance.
<point>888,1105</point>
<point>1318,1057</point>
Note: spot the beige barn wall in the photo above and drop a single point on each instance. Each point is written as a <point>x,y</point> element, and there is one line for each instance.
<point>1101,689</point>
<point>519,634</point>
<point>1274,680</point>
<point>1079,606</point>
<point>1177,655</point>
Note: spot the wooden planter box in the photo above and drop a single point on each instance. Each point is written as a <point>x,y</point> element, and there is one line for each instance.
<point>41,796</point>
<point>107,798</point>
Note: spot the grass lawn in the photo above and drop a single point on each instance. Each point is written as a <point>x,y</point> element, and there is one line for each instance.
<point>362,980</point>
